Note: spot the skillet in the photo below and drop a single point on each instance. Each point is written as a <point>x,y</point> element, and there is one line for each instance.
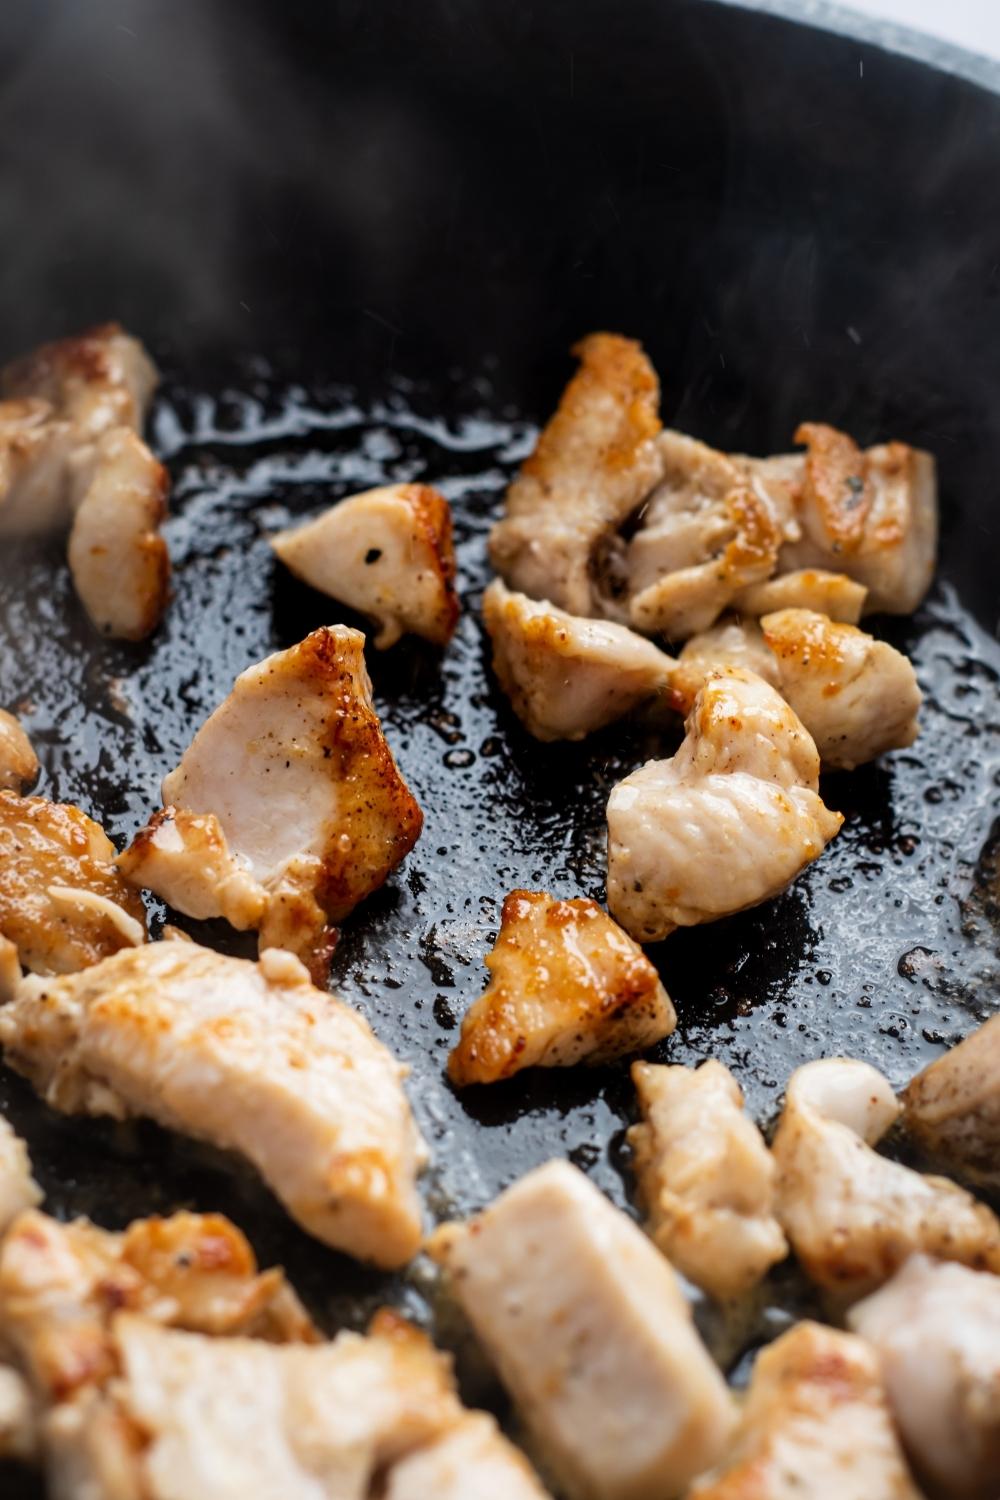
<point>359,238</point>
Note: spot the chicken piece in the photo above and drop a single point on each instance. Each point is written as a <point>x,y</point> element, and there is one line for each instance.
<point>953,1107</point>
<point>18,1189</point>
<point>308,811</point>
<point>593,465</point>
<point>472,1461</point>
<point>858,697</point>
<point>18,761</point>
<point>815,1424</point>
<point>936,1328</point>
<point>831,594</point>
<point>248,1056</point>
<point>218,1418</point>
<point>730,642</point>
<point>592,1335</point>
<point>567,986</point>
<point>389,554</point>
<point>726,823</point>
<point>18,1425</point>
<point>62,1284</point>
<point>119,561</point>
<point>70,456</point>
<point>706,536</point>
<point>566,676</point>
<point>706,1178</point>
<point>10,970</point>
<point>851,1215</point>
<point>871,514</point>
<point>62,902</point>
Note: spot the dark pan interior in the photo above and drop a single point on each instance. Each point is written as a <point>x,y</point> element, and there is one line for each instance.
<point>359,238</point>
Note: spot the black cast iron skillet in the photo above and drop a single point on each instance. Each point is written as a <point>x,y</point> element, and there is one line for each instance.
<point>359,238</point>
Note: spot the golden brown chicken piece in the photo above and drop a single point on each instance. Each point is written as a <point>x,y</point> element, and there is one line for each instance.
<point>726,823</point>
<point>301,811</point>
<point>18,1189</point>
<point>593,465</point>
<point>248,1056</point>
<point>567,986</point>
<point>706,1178</point>
<point>591,1333</point>
<point>953,1106</point>
<point>18,761</point>
<point>815,1424</point>
<point>389,554</point>
<point>851,1215</point>
<point>565,676</point>
<point>71,457</point>
<point>62,902</point>
<point>832,594</point>
<point>61,1286</point>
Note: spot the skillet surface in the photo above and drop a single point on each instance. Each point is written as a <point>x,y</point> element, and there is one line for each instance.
<point>358,247</point>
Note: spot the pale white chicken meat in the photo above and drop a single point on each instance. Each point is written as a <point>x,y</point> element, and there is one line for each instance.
<point>18,1189</point>
<point>302,811</point>
<point>953,1107</point>
<point>71,457</point>
<point>471,1461</point>
<point>869,513</point>
<point>227,1418</point>
<point>62,1284</point>
<point>832,594</point>
<point>706,1179</point>
<point>18,761</point>
<point>730,642</point>
<point>726,823</point>
<point>567,676</point>
<point>247,1056</point>
<point>567,986</point>
<point>63,904</point>
<point>592,1335</point>
<point>18,1423</point>
<point>593,465</point>
<point>851,1215</point>
<point>705,536</point>
<point>815,1426</point>
<point>387,553</point>
<point>936,1328</point>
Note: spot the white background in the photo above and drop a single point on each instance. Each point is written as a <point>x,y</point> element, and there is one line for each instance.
<point>974,24</point>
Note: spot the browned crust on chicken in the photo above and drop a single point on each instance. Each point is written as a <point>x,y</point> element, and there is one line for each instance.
<point>568,986</point>
<point>85,357</point>
<point>836,480</point>
<point>433,516</point>
<point>45,844</point>
<point>18,761</point>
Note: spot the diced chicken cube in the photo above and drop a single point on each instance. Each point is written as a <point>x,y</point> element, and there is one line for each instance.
<point>248,1056</point>
<point>18,761</point>
<point>567,986</point>
<point>472,1461</point>
<point>832,594</point>
<point>706,1178</point>
<point>387,553</point>
<point>592,1336</point>
<point>726,823</point>
<point>18,1189</point>
<point>953,1106</point>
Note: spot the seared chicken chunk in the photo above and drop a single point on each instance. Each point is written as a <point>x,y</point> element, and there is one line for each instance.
<point>566,676</point>
<point>953,1106</point>
<point>70,456</point>
<point>62,1284</point>
<point>831,594</point>
<point>62,902</point>
<point>471,1461</point>
<point>727,823</point>
<point>857,697</point>
<point>389,554</point>
<point>302,811</point>
<point>851,1215</point>
<point>706,535</point>
<point>567,986</point>
<point>871,514</point>
<point>593,465</point>
<point>706,1178</point>
<point>815,1424</point>
<point>217,1418</point>
<point>18,1189</point>
<point>592,1335</point>
<point>18,761</point>
<point>936,1328</point>
<point>248,1056</point>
